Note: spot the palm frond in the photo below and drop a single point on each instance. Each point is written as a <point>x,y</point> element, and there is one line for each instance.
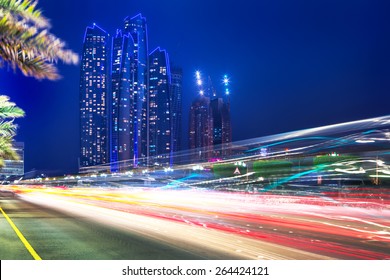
<point>19,39</point>
<point>6,149</point>
<point>8,109</point>
<point>37,67</point>
<point>28,46</point>
<point>25,10</point>
<point>11,112</point>
<point>8,112</point>
<point>7,129</point>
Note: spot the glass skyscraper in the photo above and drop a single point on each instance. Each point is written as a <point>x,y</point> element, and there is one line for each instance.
<point>160,115</point>
<point>94,89</point>
<point>136,27</point>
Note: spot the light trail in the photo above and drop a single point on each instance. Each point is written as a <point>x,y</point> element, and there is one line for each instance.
<point>196,239</point>
<point>309,225</point>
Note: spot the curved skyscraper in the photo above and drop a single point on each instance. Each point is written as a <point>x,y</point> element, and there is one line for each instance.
<point>136,28</point>
<point>122,99</point>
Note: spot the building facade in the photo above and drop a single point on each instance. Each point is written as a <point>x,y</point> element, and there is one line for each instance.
<point>94,91</point>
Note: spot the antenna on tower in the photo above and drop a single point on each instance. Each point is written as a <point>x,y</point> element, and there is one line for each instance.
<point>226,82</point>
<point>210,88</point>
<point>199,82</point>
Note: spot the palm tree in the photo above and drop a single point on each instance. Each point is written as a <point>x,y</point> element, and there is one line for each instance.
<point>8,112</point>
<point>27,44</point>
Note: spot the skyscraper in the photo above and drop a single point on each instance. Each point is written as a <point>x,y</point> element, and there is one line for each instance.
<point>160,115</point>
<point>216,105</point>
<point>226,121</point>
<point>122,99</point>
<point>94,88</point>
<point>201,129</point>
<point>222,136</point>
<point>176,101</point>
<point>210,127</point>
<point>136,27</point>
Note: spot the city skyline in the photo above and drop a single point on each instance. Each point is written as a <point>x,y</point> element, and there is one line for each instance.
<point>292,66</point>
<point>129,106</point>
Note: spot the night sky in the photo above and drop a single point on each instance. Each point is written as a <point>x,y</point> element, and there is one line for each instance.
<point>293,65</point>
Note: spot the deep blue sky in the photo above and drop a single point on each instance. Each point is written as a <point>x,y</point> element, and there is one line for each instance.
<point>293,64</point>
